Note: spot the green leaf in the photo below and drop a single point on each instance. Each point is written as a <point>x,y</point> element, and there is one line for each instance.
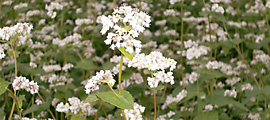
<point>252,45</point>
<point>219,99</point>
<point>3,86</point>
<point>91,98</point>
<point>128,27</point>
<point>236,41</point>
<point>86,65</point>
<point>77,117</point>
<point>174,19</point>
<point>123,51</point>
<point>218,16</point>
<point>125,101</point>
<point>34,107</point>
<point>11,53</point>
<point>2,113</point>
<point>160,87</point>
<point>208,75</point>
<point>212,115</point>
<point>20,99</point>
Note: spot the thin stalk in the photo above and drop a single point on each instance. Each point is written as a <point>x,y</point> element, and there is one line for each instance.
<point>155,105</point>
<point>100,104</point>
<point>242,56</point>
<point>48,108</point>
<point>120,73</point>
<point>15,102</point>
<point>119,82</point>
<point>181,38</point>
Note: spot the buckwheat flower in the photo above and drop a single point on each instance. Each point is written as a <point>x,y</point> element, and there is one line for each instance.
<point>152,82</point>
<point>25,118</point>
<point>164,77</point>
<point>2,54</point>
<point>215,1</point>
<point>212,65</point>
<point>230,93</point>
<point>21,29</point>
<point>53,6</point>
<point>134,114</point>
<point>49,68</point>
<point>32,87</point>
<point>67,66</point>
<point>247,87</point>
<point>102,76</point>
<point>20,83</point>
<point>55,101</point>
<point>208,108</point>
<point>154,61</point>
<point>193,77</point>
<point>196,52</point>
<point>38,101</point>
<point>172,2</point>
<point>62,107</point>
<point>217,8</point>
<point>254,117</point>
<point>133,22</point>
<point>233,81</point>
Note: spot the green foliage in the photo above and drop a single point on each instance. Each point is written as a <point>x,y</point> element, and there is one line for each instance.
<point>125,101</point>
<point>3,86</point>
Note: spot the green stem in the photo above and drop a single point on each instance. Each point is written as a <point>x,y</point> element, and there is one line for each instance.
<point>120,73</point>
<point>119,82</point>
<point>15,102</point>
<point>48,108</point>
<point>155,105</point>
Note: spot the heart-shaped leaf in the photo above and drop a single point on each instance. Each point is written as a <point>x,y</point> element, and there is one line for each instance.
<point>125,101</point>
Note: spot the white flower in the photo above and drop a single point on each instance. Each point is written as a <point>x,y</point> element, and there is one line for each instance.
<point>208,108</point>
<point>230,93</point>
<point>134,114</point>
<point>154,61</point>
<point>102,76</point>
<point>62,107</point>
<point>20,83</point>
<point>2,54</point>
<point>193,77</point>
<point>134,22</point>
<point>217,8</point>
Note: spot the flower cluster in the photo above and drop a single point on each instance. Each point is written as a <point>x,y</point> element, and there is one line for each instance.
<point>170,99</point>
<point>135,114</point>
<point>20,29</point>
<point>160,76</point>
<point>230,93</point>
<point>76,106</point>
<point>154,61</point>
<point>102,76</point>
<point>53,6</point>
<point>134,22</point>
<point>23,83</point>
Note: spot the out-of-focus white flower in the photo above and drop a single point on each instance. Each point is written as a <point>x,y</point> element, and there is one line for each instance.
<point>208,108</point>
<point>2,54</point>
<point>217,8</point>
<point>230,93</point>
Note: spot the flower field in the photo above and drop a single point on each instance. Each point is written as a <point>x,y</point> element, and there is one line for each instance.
<point>134,60</point>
